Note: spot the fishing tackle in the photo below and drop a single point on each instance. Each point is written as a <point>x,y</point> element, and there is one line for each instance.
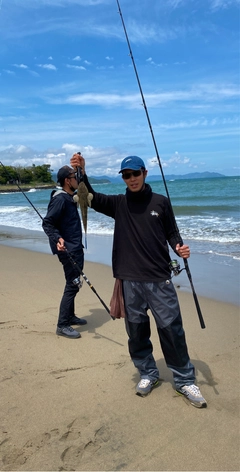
<point>68,253</point>
<point>174,266</point>
<point>160,166</point>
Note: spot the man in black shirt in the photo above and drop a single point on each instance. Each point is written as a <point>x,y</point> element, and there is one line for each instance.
<point>62,224</point>
<point>144,226</point>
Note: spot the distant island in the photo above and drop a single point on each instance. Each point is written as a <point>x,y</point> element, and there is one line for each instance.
<point>153,178</point>
<point>105,179</point>
<point>96,180</point>
<point>193,175</point>
<point>11,187</point>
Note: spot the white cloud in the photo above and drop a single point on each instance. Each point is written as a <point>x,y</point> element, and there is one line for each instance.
<point>223,4</point>
<point>174,160</point>
<point>47,66</point>
<point>175,3</point>
<point>99,161</point>
<point>213,4</point>
<point>199,123</point>
<point>77,58</point>
<point>150,61</point>
<point>198,93</point>
<point>10,72</point>
<point>20,66</point>
<point>19,149</point>
<point>49,155</point>
<point>75,67</point>
<point>34,73</point>
<point>103,99</point>
<point>59,3</point>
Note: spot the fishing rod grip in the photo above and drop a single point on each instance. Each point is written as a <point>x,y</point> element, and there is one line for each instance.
<point>200,316</point>
<point>79,172</point>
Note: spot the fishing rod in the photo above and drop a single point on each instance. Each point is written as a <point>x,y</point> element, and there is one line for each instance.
<point>89,283</point>
<point>160,165</point>
<point>68,253</point>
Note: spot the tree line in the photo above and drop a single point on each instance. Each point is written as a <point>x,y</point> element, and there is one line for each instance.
<point>26,175</point>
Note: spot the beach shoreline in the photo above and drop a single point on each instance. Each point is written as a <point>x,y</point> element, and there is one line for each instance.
<point>212,278</point>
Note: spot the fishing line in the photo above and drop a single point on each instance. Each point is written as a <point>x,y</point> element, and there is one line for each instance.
<point>161,169</point>
<point>68,253</point>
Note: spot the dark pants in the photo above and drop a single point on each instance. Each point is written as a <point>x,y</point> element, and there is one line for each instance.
<point>71,272</point>
<point>161,299</point>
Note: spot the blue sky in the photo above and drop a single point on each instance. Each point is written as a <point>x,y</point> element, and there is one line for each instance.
<point>67,83</point>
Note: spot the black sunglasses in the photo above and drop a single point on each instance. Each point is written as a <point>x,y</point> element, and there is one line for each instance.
<point>128,175</point>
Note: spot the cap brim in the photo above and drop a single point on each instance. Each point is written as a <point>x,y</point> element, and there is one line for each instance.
<point>131,168</point>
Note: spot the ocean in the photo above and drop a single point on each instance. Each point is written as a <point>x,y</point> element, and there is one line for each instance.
<point>206,211</point>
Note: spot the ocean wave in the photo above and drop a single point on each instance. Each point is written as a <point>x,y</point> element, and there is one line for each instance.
<point>212,229</point>
<point>7,210</point>
<point>207,214</point>
<point>222,253</point>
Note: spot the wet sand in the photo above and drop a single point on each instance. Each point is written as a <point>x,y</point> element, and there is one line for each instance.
<point>214,277</point>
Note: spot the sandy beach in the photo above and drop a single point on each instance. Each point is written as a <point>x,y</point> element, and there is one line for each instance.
<point>71,404</point>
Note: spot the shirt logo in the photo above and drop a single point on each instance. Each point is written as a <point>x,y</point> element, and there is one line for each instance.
<point>154,213</point>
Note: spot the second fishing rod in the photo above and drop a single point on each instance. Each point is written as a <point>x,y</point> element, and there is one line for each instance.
<point>201,320</point>
<point>74,264</point>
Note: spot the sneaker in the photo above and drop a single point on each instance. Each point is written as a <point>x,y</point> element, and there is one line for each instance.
<point>68,332</point>
<point>78,321</point>
<point>193,395</point>
<point>145,386</point>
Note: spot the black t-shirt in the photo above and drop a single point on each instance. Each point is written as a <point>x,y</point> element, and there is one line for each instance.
<point>144,225</point>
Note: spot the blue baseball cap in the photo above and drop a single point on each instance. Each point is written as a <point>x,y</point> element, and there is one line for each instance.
<point>132,163</point>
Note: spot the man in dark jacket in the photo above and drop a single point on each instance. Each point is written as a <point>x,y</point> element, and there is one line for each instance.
<point>144,226</point>
<point>62,225</point>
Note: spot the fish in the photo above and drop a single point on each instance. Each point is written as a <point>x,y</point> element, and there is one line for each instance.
<point>83,198</point>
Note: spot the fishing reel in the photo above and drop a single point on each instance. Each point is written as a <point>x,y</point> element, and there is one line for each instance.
<point>77,282</point>
<point>175,267</point>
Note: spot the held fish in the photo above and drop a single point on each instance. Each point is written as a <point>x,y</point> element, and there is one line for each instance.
<point>83,199</point>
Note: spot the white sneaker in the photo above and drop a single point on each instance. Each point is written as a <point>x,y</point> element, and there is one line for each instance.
<point>193,395</point>
<point>145,386</point>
